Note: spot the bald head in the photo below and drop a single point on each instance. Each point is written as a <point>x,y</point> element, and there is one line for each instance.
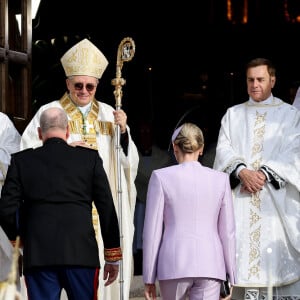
<point>53,123</point>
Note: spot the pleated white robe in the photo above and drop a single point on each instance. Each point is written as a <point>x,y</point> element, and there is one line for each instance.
<point>265,133</point>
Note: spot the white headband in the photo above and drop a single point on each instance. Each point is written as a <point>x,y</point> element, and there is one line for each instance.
<point>176,132</point>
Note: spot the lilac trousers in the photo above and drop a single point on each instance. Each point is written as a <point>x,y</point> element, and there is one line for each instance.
<point>197,288</point>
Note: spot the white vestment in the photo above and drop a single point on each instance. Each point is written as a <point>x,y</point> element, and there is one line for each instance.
<point>296,102</point>
<point>268,222</point>
<point>106,145</point>
<point>9,143</point>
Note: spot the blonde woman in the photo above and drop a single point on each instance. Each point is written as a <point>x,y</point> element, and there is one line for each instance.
<point>189,229</point>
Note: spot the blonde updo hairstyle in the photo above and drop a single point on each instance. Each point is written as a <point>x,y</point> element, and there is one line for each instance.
<point>189,138</point>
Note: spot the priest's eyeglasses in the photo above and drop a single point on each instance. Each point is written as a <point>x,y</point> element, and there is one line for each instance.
<point>89,86</point>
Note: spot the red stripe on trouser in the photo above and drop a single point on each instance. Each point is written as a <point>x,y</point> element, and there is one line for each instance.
<point>96,284</point>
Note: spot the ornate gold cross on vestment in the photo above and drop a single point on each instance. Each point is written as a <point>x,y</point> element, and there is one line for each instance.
<point>86,126</point>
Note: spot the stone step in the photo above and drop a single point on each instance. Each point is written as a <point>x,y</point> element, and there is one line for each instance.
<point>137,288</point>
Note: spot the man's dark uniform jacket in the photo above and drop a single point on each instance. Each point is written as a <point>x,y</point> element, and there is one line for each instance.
<point>47,200</point>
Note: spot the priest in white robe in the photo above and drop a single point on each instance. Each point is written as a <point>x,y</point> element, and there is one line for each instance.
<point>259,146</point>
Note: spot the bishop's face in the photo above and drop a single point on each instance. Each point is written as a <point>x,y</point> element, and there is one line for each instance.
<point>82,89</point>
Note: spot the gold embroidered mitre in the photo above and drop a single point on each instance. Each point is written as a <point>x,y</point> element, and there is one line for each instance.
<point>84,59</point>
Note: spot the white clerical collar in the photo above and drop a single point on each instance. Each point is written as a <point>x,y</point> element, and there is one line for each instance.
<point>268,101</point>
<point>85,109</point>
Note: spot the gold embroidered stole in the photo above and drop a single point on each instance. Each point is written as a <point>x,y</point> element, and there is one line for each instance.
<point>88,126</point>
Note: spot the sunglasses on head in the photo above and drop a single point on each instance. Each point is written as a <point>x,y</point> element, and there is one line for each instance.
<point>89,86</point>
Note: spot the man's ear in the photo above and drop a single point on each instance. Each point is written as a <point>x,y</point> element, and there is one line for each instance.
<point>68,83</point>
<point>273,80</point>
<point>40,133</point>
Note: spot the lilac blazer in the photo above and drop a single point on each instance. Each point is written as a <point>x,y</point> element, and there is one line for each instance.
<point>189,228</point>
